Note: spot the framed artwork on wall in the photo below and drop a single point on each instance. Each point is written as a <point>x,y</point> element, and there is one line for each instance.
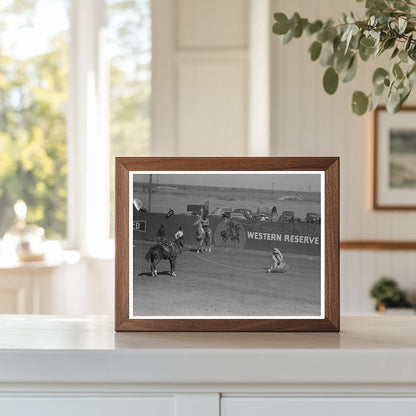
<point>227,244</point>
<point>394,178</point>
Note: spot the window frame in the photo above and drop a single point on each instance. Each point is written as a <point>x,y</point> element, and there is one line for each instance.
<point>88,133</point>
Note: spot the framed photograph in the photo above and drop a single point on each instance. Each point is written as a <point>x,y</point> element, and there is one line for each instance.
<point>394,159</point>
<point>227,244</point>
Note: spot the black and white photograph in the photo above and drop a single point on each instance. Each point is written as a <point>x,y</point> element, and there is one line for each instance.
<point>226,244</point>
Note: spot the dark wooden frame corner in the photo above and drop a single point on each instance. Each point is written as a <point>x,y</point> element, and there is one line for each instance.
<point>329,165</point>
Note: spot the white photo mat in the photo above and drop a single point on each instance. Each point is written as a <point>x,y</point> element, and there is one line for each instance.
<point>322,247</point>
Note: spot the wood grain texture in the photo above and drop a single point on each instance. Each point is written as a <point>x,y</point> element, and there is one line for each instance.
<point>332,265</point>
<point>329,165</point>
<point>376,204</point>
<point>378,245</point>
<point>121,244</point>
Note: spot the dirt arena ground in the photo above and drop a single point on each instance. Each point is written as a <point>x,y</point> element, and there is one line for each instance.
<point>225,283</point>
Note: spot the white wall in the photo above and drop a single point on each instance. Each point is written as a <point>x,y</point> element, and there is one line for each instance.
<point>211,92</point>
<point>308,122</point>
<point>200,76</point>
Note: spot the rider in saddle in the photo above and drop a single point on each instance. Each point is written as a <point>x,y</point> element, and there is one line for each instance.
<point>169,247</point>
<point>230,223</point>
<point>161,239</point>
<point>161,234</point>
<point>205,223</point>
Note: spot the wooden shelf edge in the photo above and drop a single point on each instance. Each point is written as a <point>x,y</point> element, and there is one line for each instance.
<point>377,245</point>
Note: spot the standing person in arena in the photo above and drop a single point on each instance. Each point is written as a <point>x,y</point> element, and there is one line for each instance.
<point>179,238</point>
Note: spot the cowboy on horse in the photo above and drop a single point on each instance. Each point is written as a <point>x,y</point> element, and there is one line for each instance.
<point>163,251</point>
<point>205,223</point>
<point>203,232</point>
<point>232,231</point>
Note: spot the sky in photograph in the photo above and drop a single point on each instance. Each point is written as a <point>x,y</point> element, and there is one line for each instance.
<point>298,182</point>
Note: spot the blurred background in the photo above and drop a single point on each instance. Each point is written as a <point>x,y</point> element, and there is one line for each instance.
<point>83,81</point>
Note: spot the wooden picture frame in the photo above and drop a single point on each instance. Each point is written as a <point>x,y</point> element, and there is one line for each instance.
<point>133,290</point>
<point>394,184</point>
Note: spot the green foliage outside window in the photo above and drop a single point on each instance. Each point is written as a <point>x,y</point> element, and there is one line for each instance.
<point>129,41</point>
<point>34,103</point>
<point>33,99</point>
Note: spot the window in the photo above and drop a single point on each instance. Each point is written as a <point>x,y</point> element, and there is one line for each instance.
<point>75,87</point>
<point>33,103</point>
<point>129,43</point>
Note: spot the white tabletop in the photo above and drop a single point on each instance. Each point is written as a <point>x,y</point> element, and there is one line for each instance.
<point>376,349</point>
<point>52,332</point>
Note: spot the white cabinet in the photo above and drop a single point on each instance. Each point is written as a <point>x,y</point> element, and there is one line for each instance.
<point>87,406</point>
<point>79,366</point>
<point>269,406</point>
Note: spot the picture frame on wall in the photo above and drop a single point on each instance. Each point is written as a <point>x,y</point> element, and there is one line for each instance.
<point>227,244</point>
<point>394,151</point>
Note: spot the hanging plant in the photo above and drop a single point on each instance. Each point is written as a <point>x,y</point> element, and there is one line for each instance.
<point>389,27</point>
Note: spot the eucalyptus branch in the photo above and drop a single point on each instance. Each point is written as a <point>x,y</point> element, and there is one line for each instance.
<point>389,25</point>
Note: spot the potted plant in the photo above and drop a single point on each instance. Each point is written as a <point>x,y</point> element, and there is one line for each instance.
<point>387,294</point>
<point>389,27</point>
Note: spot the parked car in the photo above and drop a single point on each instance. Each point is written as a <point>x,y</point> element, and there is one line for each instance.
<point>237,216</point>
<point>220,212</point>
<point>262,217</point>
<point>248,213</point>
<point>313,218</point>
<point>288,216</point>
<point>267,213</point>
<point>290,198</point>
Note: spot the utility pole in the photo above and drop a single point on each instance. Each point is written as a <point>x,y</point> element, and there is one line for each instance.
<point>149,206</point>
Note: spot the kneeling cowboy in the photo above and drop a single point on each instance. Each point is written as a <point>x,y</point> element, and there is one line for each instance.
<point>277,257</point>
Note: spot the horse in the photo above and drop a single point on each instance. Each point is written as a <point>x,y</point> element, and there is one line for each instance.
<point>231,232</point>
<point>203,235</point>
<point>158,252</point>
<point>225,235</point>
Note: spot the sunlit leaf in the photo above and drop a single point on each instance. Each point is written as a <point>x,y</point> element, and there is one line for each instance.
<point>397,71</point>
<point>288,37</point>
<point>359,103</point>
<point>403,56</point>
<point>393,101</point>
<point>379,75</point>
<point>351,71</point>
<point>374,101</point>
